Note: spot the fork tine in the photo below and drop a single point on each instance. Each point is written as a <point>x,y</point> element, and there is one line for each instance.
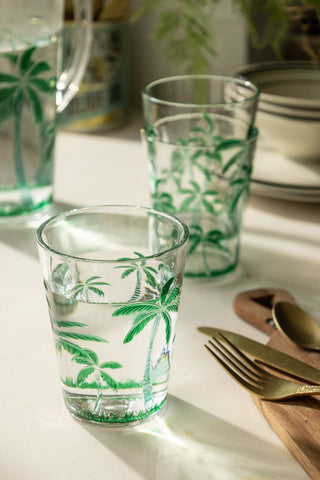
<point>248,386</point>
<point>252,366</point>
<point>236,363</point>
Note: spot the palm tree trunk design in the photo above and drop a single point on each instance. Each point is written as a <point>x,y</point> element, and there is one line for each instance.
<point>98,403</point>
<point>147,377</point>
<point>18,159</point>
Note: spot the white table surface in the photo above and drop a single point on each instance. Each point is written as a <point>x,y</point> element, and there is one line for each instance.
<point>210,428</point>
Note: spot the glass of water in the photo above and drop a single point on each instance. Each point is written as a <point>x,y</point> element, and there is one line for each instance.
<point>113,278</point>
<point>32,91</point>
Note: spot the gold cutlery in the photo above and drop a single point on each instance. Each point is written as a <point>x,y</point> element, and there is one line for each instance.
<point>268,355</point>
<point>253,378</point>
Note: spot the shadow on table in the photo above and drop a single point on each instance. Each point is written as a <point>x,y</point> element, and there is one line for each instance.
<point>186,443</point>
<point>20,232</point>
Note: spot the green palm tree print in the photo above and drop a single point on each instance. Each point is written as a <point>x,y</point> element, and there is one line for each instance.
<point>92,366</point>
<point>142,271</point>
<point>152,312</point>
<point>81,291</point>
<point>154,302</point>
<point>15,90</point>
<point>206,183</point>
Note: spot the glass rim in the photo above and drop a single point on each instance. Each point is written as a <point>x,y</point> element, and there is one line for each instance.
<point>146,90</point>
<point>251,138</point>
<point>148,210</point>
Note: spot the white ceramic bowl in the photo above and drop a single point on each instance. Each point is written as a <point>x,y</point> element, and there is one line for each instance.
<point>290,84</point>
<point>294,137</point>
<point>288,114</point>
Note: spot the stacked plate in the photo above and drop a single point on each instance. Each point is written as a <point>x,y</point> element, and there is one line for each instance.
<point>289,122</point>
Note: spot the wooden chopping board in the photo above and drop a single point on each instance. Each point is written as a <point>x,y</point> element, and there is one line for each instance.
<point>296,421</point>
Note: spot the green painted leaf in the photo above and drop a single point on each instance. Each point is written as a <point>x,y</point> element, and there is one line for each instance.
<point>203,170</point>
<point>209,122</point>
<point>233,160</point>
<point>12,57</point>
<point>186,203</point>
<point>7,78</point>
<point>39,67</point>
<point>99,283</point>
<point>139,327</point>
<point>211,192</point>
<point>142,307</point>
<point>77,289</point>
<point>193,245</point>
<point>36,105</point>
<point>84,374</point>
<point>166,288</point>
<point>227,144</point>
<point>6,92</point>
<point>174,295</point>
<point>92,355</point>
<point>167,321</point>
<point>208,206</point>
<point>25,62</point>
<point>66,323</point>
<point>112,365</point>
<point>196,186</point>
<point>127,272</point>
<point>82,360</point>
<point>150,278</point>
<point>95,290</point>
<point>6,109</point>
<point>70,347</point>
<point>91,279</point>
<point>109,380</point>
<point>80,336</point>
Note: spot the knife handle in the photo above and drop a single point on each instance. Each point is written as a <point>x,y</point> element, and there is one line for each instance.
<point>255,306</point>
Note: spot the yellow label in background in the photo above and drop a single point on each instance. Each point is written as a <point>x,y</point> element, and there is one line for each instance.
<point>102,100</point>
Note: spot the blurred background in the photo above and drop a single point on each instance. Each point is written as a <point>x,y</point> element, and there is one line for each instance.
<point>137,41</point>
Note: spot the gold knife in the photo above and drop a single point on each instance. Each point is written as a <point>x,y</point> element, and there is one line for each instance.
<point>268,355</point>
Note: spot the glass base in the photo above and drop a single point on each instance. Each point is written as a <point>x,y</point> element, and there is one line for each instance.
<point>113,410</point>
<point>23,201</point>
<point>210,264</point>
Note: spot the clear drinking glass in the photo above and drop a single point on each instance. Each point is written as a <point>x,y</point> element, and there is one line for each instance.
<point>113,277</point>
<point>200,139</point>
<point>32,91</point>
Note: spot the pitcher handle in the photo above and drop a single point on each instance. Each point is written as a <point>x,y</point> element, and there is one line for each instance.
<point>69,80</point>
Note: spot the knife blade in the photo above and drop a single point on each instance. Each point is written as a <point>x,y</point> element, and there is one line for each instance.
<point>267,355</point>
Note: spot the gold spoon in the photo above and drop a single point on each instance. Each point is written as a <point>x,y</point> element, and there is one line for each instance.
<point>297,325</point>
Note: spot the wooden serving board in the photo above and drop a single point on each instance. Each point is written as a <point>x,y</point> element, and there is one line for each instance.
<point>296,421</point>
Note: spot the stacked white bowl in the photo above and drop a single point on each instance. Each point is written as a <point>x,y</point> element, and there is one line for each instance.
<point>288,115</point>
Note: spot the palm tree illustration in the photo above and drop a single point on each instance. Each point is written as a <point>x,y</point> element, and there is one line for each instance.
<point>15,90</point>
<point>197,199</point>
<point>152,312</point>
<point>92,366</point>
<point>81,291</point>
<point>142,271</point>
<point>199,238</point>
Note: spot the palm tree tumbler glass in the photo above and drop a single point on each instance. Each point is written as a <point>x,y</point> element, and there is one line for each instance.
<point>113,278</point>
<point>32,91</point>
<point>200,140</point>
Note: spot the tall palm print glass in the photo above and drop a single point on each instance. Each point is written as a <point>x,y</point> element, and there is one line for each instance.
<point>29,69</point>
<point>200,139</point>
<point>113,306</point>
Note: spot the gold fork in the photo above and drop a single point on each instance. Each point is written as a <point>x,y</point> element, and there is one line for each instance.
<point>255,379</point>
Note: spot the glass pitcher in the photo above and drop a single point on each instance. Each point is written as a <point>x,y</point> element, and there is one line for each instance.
<point>33,89</point>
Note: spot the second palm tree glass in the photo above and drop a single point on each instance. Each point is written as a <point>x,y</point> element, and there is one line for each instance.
<point>200,137</point>
<point>113,278</point>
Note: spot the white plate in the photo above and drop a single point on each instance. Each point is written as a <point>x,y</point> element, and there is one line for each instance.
<point>277,176</point>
